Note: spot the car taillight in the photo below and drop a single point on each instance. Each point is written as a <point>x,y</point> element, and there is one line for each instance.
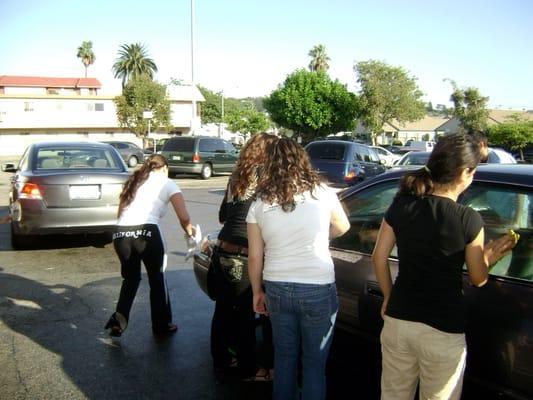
<point>350,175</point>
<point>195,158</point>
<point>30,191</point>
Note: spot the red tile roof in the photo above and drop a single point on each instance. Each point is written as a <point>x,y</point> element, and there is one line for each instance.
<point>39,81</point>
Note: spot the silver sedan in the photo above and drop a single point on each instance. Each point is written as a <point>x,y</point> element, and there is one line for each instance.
<point>63,188</point>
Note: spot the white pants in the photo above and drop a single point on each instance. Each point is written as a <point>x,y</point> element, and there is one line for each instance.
<point>412,351</point>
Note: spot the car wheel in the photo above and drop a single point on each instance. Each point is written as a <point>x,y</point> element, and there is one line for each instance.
<point>132,162</point>
<point>207,171</point>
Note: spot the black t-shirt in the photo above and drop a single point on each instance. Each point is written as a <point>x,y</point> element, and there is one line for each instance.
<point>431,236</point>
<point>232,214</point>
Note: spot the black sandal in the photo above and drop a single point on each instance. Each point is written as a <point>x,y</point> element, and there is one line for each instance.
<point>116,325</point>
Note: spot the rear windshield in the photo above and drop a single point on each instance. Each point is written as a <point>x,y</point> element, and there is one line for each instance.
<point>75,157</point>
<point>327,151</point>
<point>179,144</point>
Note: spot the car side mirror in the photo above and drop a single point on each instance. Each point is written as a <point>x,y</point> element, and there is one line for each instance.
<point>9,167</point>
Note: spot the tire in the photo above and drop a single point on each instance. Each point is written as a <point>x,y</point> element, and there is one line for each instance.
<point>132,162</point>
<point>207,171</point>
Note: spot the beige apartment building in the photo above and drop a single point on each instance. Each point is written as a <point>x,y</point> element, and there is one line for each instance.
<point>34,109</point>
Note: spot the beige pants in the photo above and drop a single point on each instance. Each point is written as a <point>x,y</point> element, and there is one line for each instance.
<point>413,351</point>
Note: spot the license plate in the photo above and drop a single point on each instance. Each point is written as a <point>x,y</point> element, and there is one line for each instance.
<point>84,192</point>
<point>176,158</point>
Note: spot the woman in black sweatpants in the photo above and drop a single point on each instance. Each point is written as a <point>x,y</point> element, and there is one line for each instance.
<point>143,201</point>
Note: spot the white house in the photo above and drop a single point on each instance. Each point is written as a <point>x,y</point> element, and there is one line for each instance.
<point>36,109</point>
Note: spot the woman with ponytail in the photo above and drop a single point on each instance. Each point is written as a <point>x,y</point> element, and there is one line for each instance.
<point>423,339</point>
<point>143,201</point>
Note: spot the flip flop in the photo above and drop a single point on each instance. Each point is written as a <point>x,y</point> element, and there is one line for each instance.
<point>262,375</point>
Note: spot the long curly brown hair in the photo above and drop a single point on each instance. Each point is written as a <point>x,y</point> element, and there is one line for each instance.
<point>251,157</point>
<point>154,161</point>
<point>287,172</point>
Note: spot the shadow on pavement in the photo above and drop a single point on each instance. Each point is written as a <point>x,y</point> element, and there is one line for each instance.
<point>67,322</point>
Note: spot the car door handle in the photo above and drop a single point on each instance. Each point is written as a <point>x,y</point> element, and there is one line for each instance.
<point>372,288</point>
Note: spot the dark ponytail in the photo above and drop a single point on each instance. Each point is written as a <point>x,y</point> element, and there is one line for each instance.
<point>450,156</point>
<point>133,183</point>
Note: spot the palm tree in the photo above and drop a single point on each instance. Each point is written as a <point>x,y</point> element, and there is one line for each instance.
<point>133,61</point>
<point>319,58</point>
<point>85,53</point>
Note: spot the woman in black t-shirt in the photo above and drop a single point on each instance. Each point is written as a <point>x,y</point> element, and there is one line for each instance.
<point>424,318</point>
<point>233,325</point>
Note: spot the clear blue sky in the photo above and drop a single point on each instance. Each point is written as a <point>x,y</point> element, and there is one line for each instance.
<point>248,47</point>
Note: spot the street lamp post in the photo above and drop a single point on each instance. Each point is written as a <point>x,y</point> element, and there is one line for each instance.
<point>149,115</point>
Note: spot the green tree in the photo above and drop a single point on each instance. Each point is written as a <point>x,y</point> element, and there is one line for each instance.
<point>470,108</point>
<point>247,120</point>
<point>132,62</point>
<point>311,105</point>
<point>142,94</point>
<point>513,135</point>
<point>86,54</point>
<point>319,59</point>
<point>387,93</point>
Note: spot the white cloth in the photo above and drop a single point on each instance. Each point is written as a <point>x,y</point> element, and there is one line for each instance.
<point>297,242</point>
<point>150,202</point>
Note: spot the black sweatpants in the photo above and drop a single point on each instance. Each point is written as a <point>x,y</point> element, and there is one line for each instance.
<point>134,244</point>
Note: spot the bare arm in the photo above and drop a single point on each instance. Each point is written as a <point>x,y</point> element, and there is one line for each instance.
<point>479,257</point>
<point>178,202</point>
<point>380,258</point>
<point>255,267</point>
<point>5,219</point>
<point>339,223</point>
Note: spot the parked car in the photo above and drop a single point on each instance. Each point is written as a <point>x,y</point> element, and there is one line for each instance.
<point>500,156</point>
<point>344,163</point>
<point>500,314</point>
<point>159,145</point>
<point>527,153</point>
<point>386,156</point>
<point>130,152</point>
<point>63,188</point>
<point>201,155</point>
<point>413,158</point>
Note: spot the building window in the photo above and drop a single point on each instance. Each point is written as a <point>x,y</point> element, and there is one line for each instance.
<point>52,91</point>
<point>90,107</point>
<point>28,106</point>
<point>99,107</point>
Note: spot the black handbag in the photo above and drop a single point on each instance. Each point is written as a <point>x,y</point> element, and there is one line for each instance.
<point>234,269</point>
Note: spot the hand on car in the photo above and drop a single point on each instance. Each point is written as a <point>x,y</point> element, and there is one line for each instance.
<point>494,250</point>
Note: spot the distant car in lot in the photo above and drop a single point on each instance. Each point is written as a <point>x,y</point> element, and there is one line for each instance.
<point>63,188</point>
<point>386,156</point>
<point>344,163</point>
<point>500,314</point>
<point>500,156</point>
<point>413,158</point>
<point>200,155</point>
<point>159,145</point>
<point>130,152</point>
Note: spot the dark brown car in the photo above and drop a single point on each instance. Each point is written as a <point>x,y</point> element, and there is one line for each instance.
<point>500,314</point>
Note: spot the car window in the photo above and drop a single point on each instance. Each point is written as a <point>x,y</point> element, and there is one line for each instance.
<point>364,153</point>
<point>208,145</point>
<point>504,208</point>
<point>358,154</point>
<point>373,155</point>
<point>72,157</point>
<point>229,147</point>
<point>121,146</point>
<point>219,146</point>
<point>181,144</point>
<point>327,151</point>
<point>365,212</point>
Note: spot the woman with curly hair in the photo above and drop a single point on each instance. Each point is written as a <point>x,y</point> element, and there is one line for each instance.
<point>233,324</point>
<point>143,202</point>
<point>289,227</point>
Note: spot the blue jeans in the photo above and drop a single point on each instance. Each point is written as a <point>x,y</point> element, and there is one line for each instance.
<point>303,317</point>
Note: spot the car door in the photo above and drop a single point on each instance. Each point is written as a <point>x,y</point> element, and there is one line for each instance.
<point>359,295</point>
<point>500,314</point>
<point>231,156</point>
